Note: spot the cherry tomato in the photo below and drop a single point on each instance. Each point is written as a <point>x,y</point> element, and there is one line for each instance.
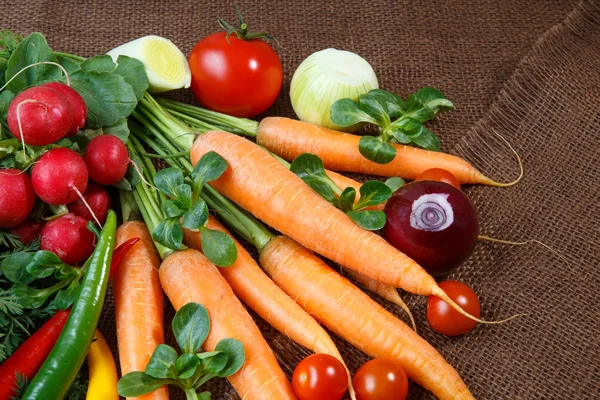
<point>446,320</point>
<point>438,174</point>
<point>380,379</point>
<point>239,77</point>
<point>320,376</point>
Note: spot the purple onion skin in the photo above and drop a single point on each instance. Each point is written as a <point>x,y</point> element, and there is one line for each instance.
<point>433,223</point>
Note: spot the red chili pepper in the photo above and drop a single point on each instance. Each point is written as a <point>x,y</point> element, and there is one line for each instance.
<point>119,255</point>
<point>30,356</point>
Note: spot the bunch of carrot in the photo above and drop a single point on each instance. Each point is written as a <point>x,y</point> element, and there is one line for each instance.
<point>290,287</point>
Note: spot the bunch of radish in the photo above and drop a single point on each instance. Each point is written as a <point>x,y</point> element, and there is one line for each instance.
<point>41,116</point>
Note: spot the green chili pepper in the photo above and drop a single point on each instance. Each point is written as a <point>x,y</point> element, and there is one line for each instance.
<point>62,365</point>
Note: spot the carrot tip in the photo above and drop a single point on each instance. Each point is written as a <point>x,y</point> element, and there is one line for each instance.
<point>437,291</point>
<point>487,181</point>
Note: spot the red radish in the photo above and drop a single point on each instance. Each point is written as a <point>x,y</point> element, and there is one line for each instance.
<point>107,159</point>
<point>433,223</point>
<point>98,200</point>
<point>68,238</point>
<point>28,230</point>
<point>16,197</point>
<point>77,102</point>
<point>60,176</point>
<point>45,116</point>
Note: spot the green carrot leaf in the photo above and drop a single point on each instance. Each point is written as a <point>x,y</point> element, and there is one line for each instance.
<point>162,362</point>
<point>218,247</point>
<point>186,365</point>
<point>368,219</point>
<point>394,183</point>
<point>310,169</point>
<point>138,383</point>
<point>346,112</point>
<point>197,215</point>
<point>372,193</point>
<point>235,356</point>
<point>168,180</point>
<point>376,150</point>
<point>101,63</point>
<point>210,167</point>
<point>191,326</point>
<point>169,233</point>
<point>347,198</point>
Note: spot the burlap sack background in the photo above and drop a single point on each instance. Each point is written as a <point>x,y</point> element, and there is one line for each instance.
<point>517,67</point>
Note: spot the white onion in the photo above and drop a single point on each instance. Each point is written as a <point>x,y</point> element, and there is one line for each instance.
<point>326,77</point>
<point>166,66</point>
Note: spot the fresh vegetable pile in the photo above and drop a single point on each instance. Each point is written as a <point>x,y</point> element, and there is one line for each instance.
<point>79,137</point>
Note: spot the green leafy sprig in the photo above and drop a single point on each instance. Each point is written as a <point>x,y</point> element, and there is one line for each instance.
<point>37,277</point>
<point>192,368</point>
<point>184,208</point>
<point>398,121</point>
<point>311,170</point>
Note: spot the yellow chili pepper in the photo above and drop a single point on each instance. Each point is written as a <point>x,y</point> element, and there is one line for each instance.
<point>102,370</point>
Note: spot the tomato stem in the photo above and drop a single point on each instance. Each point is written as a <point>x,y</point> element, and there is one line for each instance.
<point>242,32</point>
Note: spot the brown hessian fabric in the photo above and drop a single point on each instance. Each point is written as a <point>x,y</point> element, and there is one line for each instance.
<point>527,70</point>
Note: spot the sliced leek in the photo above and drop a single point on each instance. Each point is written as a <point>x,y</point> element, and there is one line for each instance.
<point>326,77</point>
<point>166,66</point>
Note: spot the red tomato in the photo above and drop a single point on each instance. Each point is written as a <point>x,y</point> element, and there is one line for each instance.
<point>380,379</point>
<point>446,320</point>
<point>320,376</point>
<point>239,77</point>
<point>438,174</point>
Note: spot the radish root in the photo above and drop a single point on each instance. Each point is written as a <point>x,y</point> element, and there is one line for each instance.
<point>492,182</point>
<point>20,126</point>
<point>64,71</point>
<point>86,205</point>
<point>141,175</point>
<point>555,252</point>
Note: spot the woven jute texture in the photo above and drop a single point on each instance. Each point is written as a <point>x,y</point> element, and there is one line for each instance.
<point>528,70</point>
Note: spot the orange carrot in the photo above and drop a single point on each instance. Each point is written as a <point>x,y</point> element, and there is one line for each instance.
<point>261,185</point>
<point>187,276</point>
<point>353,315</point>
<point>389,293</point>
<point>289,138</point>
<point>139,304</point>
<point>252,286</point>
